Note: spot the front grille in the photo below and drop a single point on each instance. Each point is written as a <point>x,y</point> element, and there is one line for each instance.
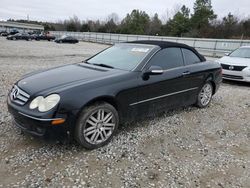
<point>19,96</point>
<point>232,77</point>
<point>232,67</point>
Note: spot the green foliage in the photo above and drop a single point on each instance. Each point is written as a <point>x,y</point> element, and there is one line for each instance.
<point>203,15</point>
<point>71,27</point>
<point>135,23</point>
<point>110,26</point>
<point>155,26</point>
<point>180,23</point>
<point>230,20</point>
<point>202,23</point>
<point>49,27</point>
<point>84,27</point>
<point>229,25</point>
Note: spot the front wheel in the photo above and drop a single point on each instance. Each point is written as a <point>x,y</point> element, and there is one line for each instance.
<point>96,125</point>
<point>205,95</point>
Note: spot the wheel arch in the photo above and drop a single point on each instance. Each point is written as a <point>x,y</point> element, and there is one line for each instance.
<point>108,99</point>
<point>210,79</point>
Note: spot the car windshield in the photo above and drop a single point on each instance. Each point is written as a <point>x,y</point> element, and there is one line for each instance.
<point>241,52</point>
<point>122,56</point>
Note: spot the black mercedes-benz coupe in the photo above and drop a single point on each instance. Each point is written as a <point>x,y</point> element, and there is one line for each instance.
<point>20,36</point>
<point>67,39</point>
<point>88,100</point>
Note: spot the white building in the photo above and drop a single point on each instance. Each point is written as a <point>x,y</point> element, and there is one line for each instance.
<point>21,27</point>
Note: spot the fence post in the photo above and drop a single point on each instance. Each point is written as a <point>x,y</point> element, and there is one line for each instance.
<point>194,43</point>
<point>215,48</point>
<point>241,42</point>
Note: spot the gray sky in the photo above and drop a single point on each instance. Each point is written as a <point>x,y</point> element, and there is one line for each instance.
<point>54,10</point>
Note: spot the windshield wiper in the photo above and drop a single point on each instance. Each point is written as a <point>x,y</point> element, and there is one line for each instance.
<point>97,64</point>
<point>103,65</point>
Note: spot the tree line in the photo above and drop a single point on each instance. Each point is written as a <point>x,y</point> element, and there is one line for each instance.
<point>202,23</point>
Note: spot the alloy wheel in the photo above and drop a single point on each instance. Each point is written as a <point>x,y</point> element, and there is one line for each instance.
<point>206,94</point>
<point>99,126</point>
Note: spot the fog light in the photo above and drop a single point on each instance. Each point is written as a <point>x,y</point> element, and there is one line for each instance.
<point>58,121</point>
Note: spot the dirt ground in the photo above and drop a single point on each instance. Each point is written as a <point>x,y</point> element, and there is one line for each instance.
<point>187,147</point>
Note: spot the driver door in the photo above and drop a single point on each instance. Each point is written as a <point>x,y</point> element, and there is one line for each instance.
<point>166,90</point>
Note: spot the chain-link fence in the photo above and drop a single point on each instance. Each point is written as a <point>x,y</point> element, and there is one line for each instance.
<point>207,47</point>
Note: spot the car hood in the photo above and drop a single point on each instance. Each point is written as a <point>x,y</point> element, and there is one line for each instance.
<point>235,61</point>
<point>60,77</point>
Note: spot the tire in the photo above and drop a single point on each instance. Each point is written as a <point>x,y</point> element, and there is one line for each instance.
<point>205,95</point>
<point>60,42</point>
<point>96,125</point>
<point>14,38</point>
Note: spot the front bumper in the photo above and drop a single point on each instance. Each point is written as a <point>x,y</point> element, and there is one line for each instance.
<point>38,126</point>
<point>243,76</point>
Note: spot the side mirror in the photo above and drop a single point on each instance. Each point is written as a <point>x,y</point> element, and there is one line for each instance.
<point>226,54</point>
<point>153,70</point>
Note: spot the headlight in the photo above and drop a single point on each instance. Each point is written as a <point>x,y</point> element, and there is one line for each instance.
<point>247,72</point>
<point>45,104</point>
<point>35,103</point>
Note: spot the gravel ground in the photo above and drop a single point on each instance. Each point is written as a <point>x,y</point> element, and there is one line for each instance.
<point>187,147</point>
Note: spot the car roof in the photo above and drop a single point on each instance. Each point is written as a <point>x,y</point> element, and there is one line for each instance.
<point>168,44</point>
<point>161,44</point>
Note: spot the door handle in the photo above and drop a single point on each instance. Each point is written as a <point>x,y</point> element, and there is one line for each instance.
<point>186,73</point>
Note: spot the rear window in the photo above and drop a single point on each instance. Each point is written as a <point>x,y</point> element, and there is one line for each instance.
<point>168,58</point>
<point>190,57</point>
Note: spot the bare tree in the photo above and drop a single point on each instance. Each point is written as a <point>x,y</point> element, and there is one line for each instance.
<point>113,16</point>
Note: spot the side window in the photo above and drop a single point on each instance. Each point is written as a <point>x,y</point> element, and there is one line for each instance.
<point>190,57</point>
<point>168,58</point>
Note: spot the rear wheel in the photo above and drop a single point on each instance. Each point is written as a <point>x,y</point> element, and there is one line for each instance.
<point>96,125</point>
<point>205,95</point>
